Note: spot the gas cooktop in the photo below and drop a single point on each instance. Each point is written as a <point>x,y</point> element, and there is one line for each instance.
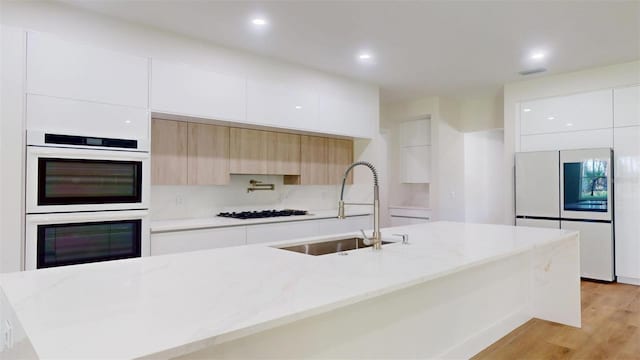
<point>262,214</point>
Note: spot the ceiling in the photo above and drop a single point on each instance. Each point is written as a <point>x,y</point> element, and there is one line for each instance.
<point>420,47</point>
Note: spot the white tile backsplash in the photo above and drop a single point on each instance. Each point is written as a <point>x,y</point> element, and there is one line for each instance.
<point>181,202</point>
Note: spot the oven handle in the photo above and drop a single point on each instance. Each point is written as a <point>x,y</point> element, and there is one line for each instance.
<point>86,216</point>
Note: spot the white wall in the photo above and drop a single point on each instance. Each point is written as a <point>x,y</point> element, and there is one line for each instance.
<point>101,31</point>
<point>557,85</point>
<point>484,183</point>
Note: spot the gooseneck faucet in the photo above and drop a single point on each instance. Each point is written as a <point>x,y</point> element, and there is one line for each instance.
<point>376,238</point>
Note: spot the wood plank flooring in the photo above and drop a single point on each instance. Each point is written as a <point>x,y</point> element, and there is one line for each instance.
<point>610,330</point>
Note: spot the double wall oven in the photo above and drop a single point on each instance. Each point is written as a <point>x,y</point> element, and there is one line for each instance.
<point>87,199</point>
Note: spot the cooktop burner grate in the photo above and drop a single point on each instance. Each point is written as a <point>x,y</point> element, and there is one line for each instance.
<point>262,214</point>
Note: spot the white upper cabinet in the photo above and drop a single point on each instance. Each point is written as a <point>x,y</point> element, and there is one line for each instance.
<point>186,90</point>
<point>586,111</point>
<point>354,114</point>
<point>281,106</point>
<point>626,106</point>
<point>415,132</point>
<point>64,69</point>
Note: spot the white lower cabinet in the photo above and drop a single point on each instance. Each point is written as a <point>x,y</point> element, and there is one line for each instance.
<point>199,239</point>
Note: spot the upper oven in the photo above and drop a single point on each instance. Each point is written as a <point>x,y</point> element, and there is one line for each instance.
<point>63,179</point>
<point>586,184</point>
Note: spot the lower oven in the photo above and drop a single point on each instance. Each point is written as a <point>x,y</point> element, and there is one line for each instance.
<point>84,237</point>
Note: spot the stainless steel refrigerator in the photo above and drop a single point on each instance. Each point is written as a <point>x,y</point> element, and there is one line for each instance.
<point>571,189</point>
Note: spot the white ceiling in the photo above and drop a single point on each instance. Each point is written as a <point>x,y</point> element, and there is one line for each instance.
<point>420,47</point>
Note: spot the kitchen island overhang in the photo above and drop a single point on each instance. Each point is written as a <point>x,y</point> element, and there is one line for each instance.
<point>455,289</point>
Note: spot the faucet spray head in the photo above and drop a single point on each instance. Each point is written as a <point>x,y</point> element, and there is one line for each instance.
<point>341,210</point>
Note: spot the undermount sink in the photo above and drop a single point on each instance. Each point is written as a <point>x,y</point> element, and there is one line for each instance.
<point>330,246</point>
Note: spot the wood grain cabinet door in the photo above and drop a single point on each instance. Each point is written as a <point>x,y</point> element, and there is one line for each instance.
<point>208,154</point>
<point>339,157</point>
<point>283,154</point>
<point>248,151</point>
<point>168,152</point>
<point>313,160</point>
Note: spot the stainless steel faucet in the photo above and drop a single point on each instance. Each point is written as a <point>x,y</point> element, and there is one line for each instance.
<point>376,238</point>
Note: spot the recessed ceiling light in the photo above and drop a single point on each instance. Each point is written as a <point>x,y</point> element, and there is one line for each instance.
<point>298,107</point>
<point>539,55</point>
<point>127,121</point>
<point>569,124</point>
<point>551,118</point>
<point>364,56</point>
<point>259,21</point>
<point>526,110</point>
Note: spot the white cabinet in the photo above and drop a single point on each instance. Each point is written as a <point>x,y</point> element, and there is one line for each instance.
<point>401,216</point>
<point>586,111</point>
<point>264,233</point>
<point>627,203</point>
<point>415,163</point>
<point>347,113</point>
<point>281,106</point>
<point>415,151</point>
<point>626,106</point>
<point>200,239</point>
<point>538,223</point>
<point>415,132</point>
<point>602,138</point>
<point>63,69</point>
<point>179,89</point>
<point>74,117</point>
<point>281,231</point>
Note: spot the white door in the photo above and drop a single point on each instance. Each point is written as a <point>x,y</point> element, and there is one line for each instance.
<point>537,184</point>
<point>596,248</point>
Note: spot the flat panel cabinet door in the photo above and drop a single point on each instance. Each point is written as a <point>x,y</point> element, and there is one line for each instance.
<point>537,184</point>
<point>313,160</point>
<point>415,132</point>
<point>283,154</point>
<point>415,164</point>
<point>596,249</point>
<point>59,68</point>
<point>585,139</point>
<point>627,202</point>
<point>168,152</point>
<point>208,154</point>
<point>340,156</point>
<point>264,233</point>
<point>626,106</point>
<point>282,105</point>
<point>586,111</point>
<point>548,224</point>
<point>187,90</point>
<point>193,240</point>
<point>248,151</point>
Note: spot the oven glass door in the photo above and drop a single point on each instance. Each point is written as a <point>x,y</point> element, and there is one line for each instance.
<point>85,242</point>
<point>67,181</point>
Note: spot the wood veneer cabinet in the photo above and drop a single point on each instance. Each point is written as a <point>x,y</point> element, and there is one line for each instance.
<point>322,161</point>
<point>264,152</point>
<point>168,152</point>
<point>189,153</point>
<point>208,154</point>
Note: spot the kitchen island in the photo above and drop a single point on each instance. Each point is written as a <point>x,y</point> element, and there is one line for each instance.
<point>452,291</point>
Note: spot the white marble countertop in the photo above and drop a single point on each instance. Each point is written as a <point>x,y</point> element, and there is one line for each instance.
<point>217,221</point>
<point>173,304</point>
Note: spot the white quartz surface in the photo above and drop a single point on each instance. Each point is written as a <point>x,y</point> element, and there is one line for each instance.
<point>178,303</point>
<point>217,221</point>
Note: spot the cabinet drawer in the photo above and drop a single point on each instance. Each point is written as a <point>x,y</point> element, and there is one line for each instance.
<point>192,240</point>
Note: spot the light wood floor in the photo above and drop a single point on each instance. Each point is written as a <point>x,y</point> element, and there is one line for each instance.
<point>610,330</point>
